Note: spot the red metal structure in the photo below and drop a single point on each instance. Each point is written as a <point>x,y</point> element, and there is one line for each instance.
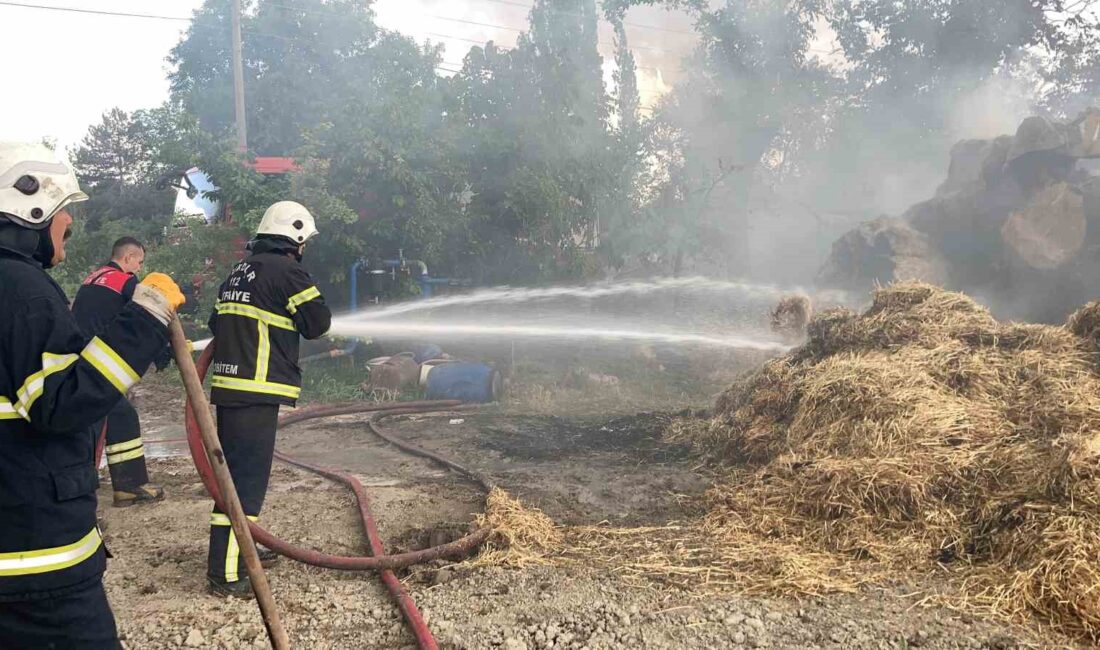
<point>273,165</point>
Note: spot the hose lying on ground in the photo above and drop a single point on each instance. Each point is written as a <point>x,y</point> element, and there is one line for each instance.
<point>378,560</point>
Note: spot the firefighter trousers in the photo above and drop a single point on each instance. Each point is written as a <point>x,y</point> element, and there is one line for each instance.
<point>124,449</point>
<point>247,435</point>
<point>78,620</point>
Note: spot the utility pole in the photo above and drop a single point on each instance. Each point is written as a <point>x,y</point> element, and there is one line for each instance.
<point>238,78</point>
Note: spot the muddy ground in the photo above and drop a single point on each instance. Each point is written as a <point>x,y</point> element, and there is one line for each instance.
<point>578,469</point>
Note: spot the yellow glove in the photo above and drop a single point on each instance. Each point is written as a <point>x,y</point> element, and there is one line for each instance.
<point>160,296</point>
<point>164,284</point>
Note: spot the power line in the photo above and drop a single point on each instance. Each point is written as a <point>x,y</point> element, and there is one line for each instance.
<point>120,14</point>
<point>463,39</point>
<point>475,23</point>
<point>97,12</point>
<point>182,19</point>
<point>508,49</point>
<point>490,25</point>
<point>447,18</point>
<point>252,32</point>
<point>574,13</point>
<point>289,39</point>
<point>185,19</point>
<point>625,23</point>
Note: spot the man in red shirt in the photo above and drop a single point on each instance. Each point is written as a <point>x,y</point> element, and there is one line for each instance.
<point>98,302</point>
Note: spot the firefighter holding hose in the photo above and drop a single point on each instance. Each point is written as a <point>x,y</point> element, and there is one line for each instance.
<point>268,302</point>
<point>98,301</point>
<point>54,384</point>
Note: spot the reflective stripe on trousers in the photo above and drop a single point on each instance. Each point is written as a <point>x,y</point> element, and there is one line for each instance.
<point>124,451</point>
<point>233,551</point>
<point>50,559</point>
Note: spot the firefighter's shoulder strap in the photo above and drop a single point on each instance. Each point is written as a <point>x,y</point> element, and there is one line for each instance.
<point>112,278</point>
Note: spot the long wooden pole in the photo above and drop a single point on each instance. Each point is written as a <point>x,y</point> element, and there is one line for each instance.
<point>195,394</point>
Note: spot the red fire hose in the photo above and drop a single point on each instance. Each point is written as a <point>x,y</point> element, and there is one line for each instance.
<point>378,560</point>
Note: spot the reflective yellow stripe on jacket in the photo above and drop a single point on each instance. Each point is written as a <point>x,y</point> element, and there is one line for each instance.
<point>301,298</point>
<point>263,351</point>
<point>264,319</point>
<point>50,559</point>
<point>110,365</point>
<point>105,360</point>
<point>248,311</point>
<point>253,386</point>
<point>33,386</point>
<point>7,410</point>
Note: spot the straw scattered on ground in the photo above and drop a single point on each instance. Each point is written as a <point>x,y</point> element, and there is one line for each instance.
<point>521,536</point>
<point>689,555</point>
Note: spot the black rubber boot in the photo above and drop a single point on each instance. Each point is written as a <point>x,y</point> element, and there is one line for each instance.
<point>240,589</point>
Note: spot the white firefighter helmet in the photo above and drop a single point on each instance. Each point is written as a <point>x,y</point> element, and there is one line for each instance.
<point>288,219</point>
<point>35,184</point>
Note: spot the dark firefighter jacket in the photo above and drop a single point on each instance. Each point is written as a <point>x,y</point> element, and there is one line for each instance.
<point>102,296</point>
<point>55,382</point>
<point>267,301</point>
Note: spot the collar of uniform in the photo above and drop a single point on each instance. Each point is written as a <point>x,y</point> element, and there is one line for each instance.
<point>278,246</point>
<point>7,253</point>
<point>19,243</point>
<point>18,255</point>
<point>115,265</point>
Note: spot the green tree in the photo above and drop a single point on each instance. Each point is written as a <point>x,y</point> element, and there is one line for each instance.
<point>358,107</point>
<point>121,164</point>
<point>619,219</point>
<point>537,147</point>
<point>115,165</point>
<point>304,61</point>
<point>499,174</point>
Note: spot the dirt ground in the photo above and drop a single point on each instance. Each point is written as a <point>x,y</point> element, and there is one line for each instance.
<point>580,469</point>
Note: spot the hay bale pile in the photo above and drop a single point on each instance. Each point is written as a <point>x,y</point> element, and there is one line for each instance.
<point>924,433</point>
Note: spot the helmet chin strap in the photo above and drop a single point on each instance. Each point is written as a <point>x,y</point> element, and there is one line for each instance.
<point>44,251</point>
<point>31,244</point>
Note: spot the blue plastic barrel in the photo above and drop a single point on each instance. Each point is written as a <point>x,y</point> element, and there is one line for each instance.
<point>468,382</point>
<point>426,352</point>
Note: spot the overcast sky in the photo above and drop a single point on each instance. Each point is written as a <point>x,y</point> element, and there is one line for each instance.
<point>64,69</point>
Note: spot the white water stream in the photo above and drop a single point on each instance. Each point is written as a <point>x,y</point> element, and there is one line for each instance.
<point>432,319</point>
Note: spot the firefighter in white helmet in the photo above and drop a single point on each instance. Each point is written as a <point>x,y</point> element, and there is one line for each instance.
<point>55,382</point>
<point>265,305</point>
